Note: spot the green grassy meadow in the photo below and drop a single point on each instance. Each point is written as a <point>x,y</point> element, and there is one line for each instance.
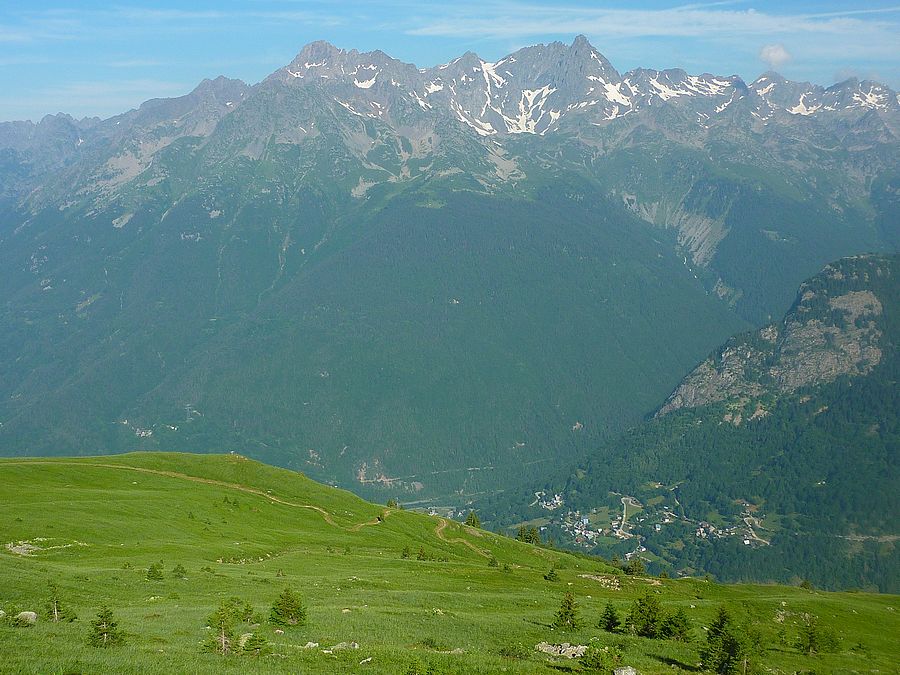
<point>243,529</point>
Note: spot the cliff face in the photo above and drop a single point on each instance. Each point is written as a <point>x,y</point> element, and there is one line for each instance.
<point>833,329</point>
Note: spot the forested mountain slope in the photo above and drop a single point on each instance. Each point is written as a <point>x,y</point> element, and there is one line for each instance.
<point>776,459</point>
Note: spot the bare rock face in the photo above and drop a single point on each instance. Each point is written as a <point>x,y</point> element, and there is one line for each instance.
<point>832,330</point>
<point>818,351</point>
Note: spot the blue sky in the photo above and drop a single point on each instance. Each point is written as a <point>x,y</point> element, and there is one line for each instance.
<point>102,58</point>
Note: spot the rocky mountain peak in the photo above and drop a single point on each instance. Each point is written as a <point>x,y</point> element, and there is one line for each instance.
<point>318,50</point>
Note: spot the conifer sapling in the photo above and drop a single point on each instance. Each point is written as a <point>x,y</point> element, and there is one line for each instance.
<point>105,630</point>
<point>288,610</point>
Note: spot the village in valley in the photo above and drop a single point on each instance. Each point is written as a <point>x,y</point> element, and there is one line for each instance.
<point>634,528</point>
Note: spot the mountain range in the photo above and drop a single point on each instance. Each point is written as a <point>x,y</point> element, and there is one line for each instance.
<point>424,282</point>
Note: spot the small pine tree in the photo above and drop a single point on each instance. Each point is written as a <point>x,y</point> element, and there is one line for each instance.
<point>56,609</point>
<point>522,533</point>
<point>222,624</point>
<point>533,536</point>
<point>610,621</point>
<point>472,520</point>
<point>815,639</point>
<point>421,554</point>
<point>255,645</point>
<point>155,572</point>
<point>241,610</point>
<point>405,553</point>
<point>635,567</point>
<point>809,635</point>
<point>288,610</point>
<point>727,650</point>
<point>392,503</point>
<point>552,575</point>
<point>646,617</point>
<point>493,562</point>
<point>105,630</point>
<point>567,615</point>
<point>676,626</point>
<point>179,572</point>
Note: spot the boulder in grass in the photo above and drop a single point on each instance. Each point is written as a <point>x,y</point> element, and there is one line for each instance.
<point>345,645</point>
<point>26,618</point>
<point>625,670</point>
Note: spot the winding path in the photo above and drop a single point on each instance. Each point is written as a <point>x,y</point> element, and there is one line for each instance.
<point>439,533</point>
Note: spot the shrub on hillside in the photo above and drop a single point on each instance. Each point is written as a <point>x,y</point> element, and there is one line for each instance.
<point>288,610</point>
<point>601,658</point>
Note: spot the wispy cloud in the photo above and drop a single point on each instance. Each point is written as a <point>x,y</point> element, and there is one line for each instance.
<point>774,56</point>
<point>509,20</point>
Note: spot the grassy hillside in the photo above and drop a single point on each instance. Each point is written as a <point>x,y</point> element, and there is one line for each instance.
<point>242,529</point>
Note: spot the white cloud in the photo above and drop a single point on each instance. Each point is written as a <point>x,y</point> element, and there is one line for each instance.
<point>775,55</point>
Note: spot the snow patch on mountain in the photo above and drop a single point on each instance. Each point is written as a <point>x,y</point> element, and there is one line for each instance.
<point>874,98</point>
<point>802,109</point>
